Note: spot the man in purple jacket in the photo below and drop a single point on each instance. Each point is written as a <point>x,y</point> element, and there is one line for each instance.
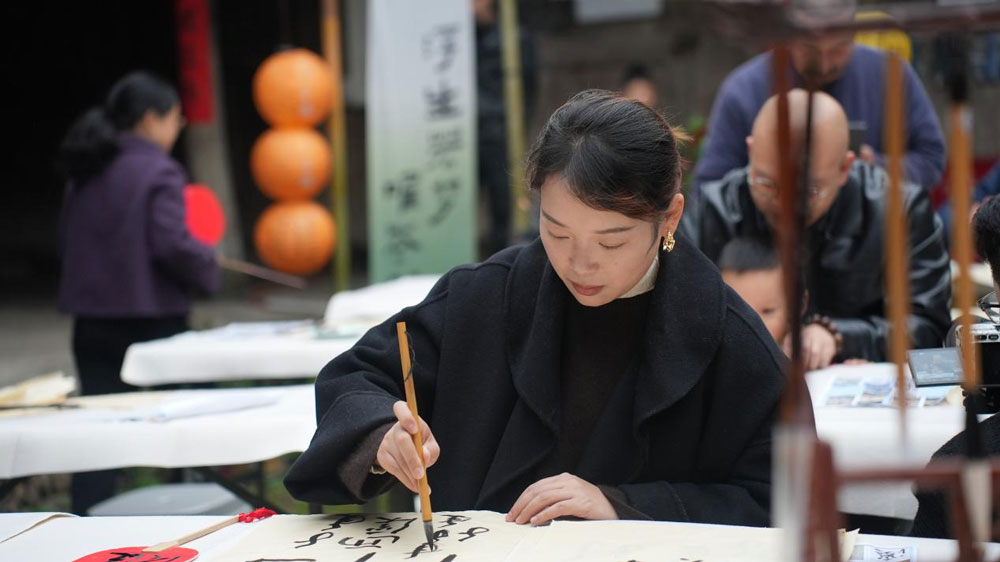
<point>854,75</point>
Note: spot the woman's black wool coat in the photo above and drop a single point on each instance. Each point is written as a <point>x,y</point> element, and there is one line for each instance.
<point>686,436</point>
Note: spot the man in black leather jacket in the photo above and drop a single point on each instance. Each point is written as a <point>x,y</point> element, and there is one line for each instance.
<point>845,241</point>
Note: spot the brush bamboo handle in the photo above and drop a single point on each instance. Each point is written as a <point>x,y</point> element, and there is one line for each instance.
<point>192,536</point>
<point>411,402</point>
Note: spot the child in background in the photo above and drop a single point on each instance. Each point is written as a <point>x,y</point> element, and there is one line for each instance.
<point>753,270</point>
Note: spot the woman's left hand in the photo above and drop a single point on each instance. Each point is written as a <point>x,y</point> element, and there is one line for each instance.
<point>560,496</point>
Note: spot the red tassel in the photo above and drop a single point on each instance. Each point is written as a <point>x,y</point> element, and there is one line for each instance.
<point>259,513</point>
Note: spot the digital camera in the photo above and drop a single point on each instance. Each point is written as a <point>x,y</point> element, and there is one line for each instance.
<point>986,343</point>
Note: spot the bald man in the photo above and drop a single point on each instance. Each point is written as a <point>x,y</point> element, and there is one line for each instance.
<point>844,237</point>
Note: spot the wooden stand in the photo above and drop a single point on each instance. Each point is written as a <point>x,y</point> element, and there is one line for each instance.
<point>944,475</point>
<point>819,542</point>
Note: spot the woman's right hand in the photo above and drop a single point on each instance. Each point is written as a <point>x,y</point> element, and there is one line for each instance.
<point>397,455</point>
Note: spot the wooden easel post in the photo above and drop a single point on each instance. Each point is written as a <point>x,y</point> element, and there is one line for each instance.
<point>897,247</point>
<point>814,541</point>
<point>337,131</point>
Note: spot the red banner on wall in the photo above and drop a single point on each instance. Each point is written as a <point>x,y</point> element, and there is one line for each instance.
<point>194,40</point>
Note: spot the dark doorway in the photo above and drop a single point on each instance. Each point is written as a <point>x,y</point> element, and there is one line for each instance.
<point>65,58</point>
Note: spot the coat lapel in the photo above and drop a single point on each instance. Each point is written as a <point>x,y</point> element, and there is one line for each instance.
<point>535,306</point>
<point>684,329</point>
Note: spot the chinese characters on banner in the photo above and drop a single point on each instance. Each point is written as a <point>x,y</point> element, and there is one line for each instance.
<point>421,137</point>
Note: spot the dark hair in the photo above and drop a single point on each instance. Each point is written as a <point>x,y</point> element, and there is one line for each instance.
<point>635,71</point>
<point>987,226</point>
<point>92,141</point>
<point>748,254</point>
<point>616,154</point>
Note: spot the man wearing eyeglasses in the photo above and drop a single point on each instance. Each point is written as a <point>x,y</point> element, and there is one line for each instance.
<point>844,254</point>
<point>853,74</point>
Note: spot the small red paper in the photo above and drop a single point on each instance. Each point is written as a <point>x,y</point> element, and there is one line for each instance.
<point>205,219</point>
<point>135,554</point>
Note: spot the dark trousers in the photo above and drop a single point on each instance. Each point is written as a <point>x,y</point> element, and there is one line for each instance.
<point>99,346</point>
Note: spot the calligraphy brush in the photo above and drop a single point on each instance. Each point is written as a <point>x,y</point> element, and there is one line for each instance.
<point>418,439</point>
<point>259,513</point>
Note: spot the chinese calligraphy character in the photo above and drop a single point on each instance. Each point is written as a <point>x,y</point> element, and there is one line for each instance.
<point>442,145</point>
<point>445,190</point>
<point>401,239</point>
<point>472,532</point>
<point>441,102</point>
<point>327,532</point>
<point>440,46</point>
<point>386,524</point>
<point>452,520</point>
<point>405,191</point>
<point>370,542</point>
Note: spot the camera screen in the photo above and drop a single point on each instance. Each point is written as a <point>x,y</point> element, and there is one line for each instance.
<point>935,367</point>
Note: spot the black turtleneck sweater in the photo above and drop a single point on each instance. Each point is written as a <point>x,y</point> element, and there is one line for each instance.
<point>600,344</point>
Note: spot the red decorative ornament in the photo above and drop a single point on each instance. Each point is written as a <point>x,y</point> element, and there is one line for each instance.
<point>205,219</point>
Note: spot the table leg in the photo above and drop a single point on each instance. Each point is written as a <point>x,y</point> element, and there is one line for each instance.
<point>259,473</point>
<point>255,500</point>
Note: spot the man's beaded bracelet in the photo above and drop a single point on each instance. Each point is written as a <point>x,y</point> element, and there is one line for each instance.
<point>827,324</point>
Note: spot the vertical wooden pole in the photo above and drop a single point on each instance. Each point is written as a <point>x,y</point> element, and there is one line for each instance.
<point>960,185</point>
<point>788,236</point>
<point>514,110</point>
<point>977,484</point>
<point>897,248</point>
<point>337,129</point>
<point>794,435</point>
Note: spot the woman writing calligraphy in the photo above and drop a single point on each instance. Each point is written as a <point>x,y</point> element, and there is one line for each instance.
<point>603,371</point>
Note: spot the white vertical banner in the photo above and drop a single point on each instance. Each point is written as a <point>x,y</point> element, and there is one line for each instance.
<point>421,136</point>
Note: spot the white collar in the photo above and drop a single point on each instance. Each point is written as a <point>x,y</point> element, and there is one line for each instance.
<point>647,281</point>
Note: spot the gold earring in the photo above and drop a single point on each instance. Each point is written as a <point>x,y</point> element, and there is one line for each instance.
<point>668,242</point>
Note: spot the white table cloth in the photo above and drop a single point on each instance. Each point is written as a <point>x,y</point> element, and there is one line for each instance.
<point>860,437</point>
<point>214,356</point>
<point>375,303</point>
<point>271,350</point>
<point>869,437</point>
<point>69,538</point>
<point>96,437</point>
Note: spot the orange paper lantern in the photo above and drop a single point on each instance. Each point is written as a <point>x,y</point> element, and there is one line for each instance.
<point>290,164</point>
<point>296,237</point>
<point>293,88</point>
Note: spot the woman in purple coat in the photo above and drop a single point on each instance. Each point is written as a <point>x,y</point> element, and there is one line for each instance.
<point>129,264</point>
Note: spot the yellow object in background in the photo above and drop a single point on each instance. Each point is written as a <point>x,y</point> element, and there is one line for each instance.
<point>892,40</point>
